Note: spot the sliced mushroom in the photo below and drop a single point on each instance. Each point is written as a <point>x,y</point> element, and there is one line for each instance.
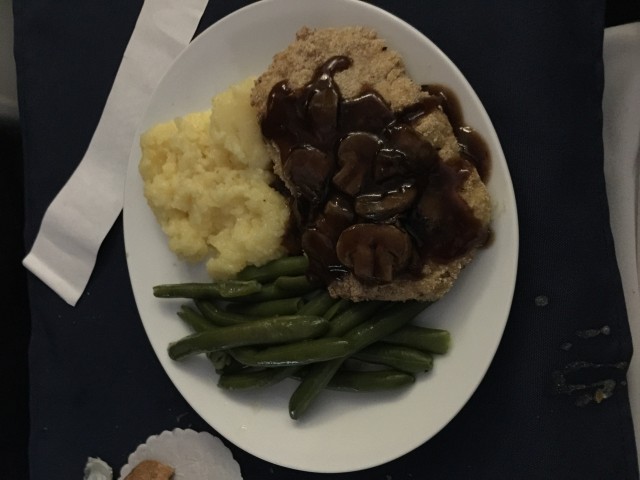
<point>317,245</point>
<point>322,97</point>
<point>356,154</point>
<point>308,169</point>
<point>422,154</point>
<point>375,253</point>
<point>366,113</point>
<point>322,107</point>
<point>383,204</point>
<point>390,163</point>
<point>321,251</point>
<point>337,215</point>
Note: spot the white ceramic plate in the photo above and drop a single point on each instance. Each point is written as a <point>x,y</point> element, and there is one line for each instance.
<point>345,431</point>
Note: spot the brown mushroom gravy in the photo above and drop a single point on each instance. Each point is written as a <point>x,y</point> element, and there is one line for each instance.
<point>370,195</point>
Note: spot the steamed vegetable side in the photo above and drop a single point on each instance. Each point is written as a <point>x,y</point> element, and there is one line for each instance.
<point>273,323</point>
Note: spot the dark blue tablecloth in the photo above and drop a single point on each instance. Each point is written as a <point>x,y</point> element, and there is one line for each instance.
<point>97,388</point>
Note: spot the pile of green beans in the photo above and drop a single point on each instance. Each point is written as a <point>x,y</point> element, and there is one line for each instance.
<point>272,322</point>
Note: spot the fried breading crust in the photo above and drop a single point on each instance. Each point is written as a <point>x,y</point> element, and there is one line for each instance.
<point>382,69</point>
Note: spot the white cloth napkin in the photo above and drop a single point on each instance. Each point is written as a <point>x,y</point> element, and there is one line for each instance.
<point>79,218</point>
<point>621,135</point>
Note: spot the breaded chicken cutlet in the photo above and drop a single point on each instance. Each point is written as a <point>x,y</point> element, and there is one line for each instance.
<point>385,204</point>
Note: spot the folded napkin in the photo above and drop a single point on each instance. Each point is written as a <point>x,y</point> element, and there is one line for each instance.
<point>97,388</point>
<point>75,224</point>
<point>621,134</point>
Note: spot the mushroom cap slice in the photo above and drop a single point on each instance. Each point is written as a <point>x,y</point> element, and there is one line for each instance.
<point>356,154</point>
<point>384,203</point>
<point>308,170</point>
<point>374,252</point>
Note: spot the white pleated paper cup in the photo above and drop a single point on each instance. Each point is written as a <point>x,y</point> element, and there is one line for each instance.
<point>193,455</point>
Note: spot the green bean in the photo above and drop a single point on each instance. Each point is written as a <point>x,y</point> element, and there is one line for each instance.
<point>269,308</point>
<point>194,319</point>
<point>220,359</point>
<point>337,308</point>
<point>369,381</point>
<point>268,292</point>
<point>316,379</point>
<point>199,323</point>
<point>298,285</point>
<point>218,316</point>
<point>208,290</point>
<point>297,353</point>
<point>231,366</point>
<point>262,331</point>
<point>318,305</point>
<point>405,359</point>
<point>285,266</point>
<point>431,340</point>
<point>254,379</point>
<point>319,374</point>
<point>267,325</point>
<point>384,323</point>
<point>353,316</point>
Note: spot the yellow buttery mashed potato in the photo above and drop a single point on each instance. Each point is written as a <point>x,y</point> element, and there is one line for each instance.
<point>206,178</point>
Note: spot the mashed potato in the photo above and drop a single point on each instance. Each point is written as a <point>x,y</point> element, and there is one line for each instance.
<point>206,178</point>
